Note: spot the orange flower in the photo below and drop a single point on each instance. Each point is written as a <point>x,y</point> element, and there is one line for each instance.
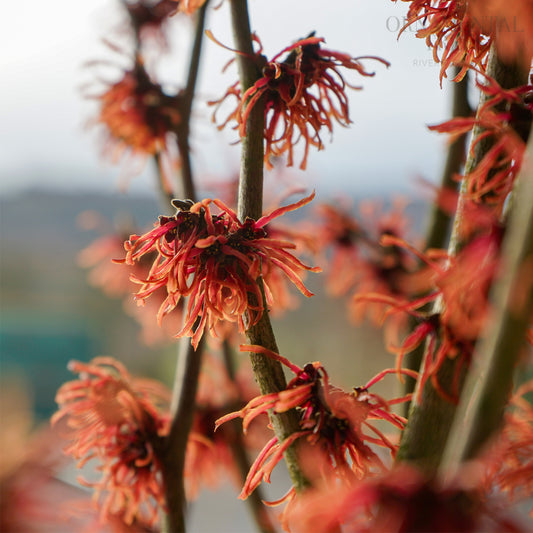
<point>449,26</point>
<point>510,23</point>
<point>303,93</point>
<point>463,289</point>
<point>330,419</point>
<point>493,177</point>
<point>138,116</point>
<point>216,261</point>
<point>116,420</point>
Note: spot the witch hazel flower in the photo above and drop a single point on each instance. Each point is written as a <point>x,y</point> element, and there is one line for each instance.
<point>138,117</point>
<point>503,121</point>
<point>118,421</point>
<point>303,94</point>
<point>449,28</point>
<point>215,261</point>
<point>462,290</point>
<point>337,424</point>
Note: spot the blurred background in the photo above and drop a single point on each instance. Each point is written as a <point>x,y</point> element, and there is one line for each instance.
<point>52,169</point>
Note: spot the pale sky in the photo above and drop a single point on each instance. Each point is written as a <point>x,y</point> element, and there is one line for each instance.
<point>45,44</point>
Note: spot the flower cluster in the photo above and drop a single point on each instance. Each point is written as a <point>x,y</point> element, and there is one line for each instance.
<point>118,421</point>
<point>332,421</point>
<point>364,260</point>
<point>216,261</point>
<point>302,94</point>
<point>461,289</point>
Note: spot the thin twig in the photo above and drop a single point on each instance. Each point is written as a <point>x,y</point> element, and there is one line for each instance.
<point>189,360</point>
<point>187,98</point>
<point>268,372</point>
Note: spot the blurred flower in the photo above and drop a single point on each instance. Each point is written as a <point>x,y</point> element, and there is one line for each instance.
<point>399,501</point>
<point>148,16</point>
<point>508,463</point>
<point>331,420</point>
<point>211,456</point>
<point>115,281</point>
<point>116,420</point>
<point>462,290</point>
<point>303,94</point>
<point>139,118</point>
<point>216,261</point>
<point>365,260</point>
<point>342,233</point>
<point>32,498</point>
<point>510,23</point>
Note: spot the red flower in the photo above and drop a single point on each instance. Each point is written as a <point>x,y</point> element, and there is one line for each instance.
<point>303,93</point>
<point>216,261</point>
<point>449,26</point>
<point>493,177</point>
<point>116,420</point>
<point>330,419</point>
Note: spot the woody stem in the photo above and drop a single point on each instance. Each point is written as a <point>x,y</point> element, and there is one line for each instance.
<point>490,380</point>
<point>430,419</point>
<point>268,372</point>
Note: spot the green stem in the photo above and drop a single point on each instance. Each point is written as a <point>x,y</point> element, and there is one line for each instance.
<point>430,420</point>
<point>440,220</point>
<point>268,372</point>
<point>490,380</point>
